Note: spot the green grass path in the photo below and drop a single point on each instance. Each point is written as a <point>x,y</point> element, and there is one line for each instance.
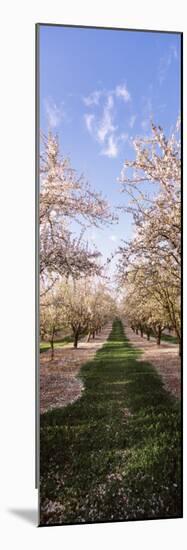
<point>115,453</point>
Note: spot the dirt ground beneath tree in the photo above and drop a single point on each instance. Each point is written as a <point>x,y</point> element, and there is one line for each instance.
<point>59,381</point>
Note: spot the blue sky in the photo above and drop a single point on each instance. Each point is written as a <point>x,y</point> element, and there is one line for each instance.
<point>98,90</point>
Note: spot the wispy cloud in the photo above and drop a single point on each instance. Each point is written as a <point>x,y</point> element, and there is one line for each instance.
<point>93,98</point>
<point>113,143</point>
<point>147,111</point>
<point>101,123</point>
<point>120,91</point>
<point>123,92</point>
<point>89,120</point>
<point>111,150</point>
<point>132,121</point>
<point>106,126</point>
<point>175,51</point>
<point>54,113</point>
<point>165,63</point>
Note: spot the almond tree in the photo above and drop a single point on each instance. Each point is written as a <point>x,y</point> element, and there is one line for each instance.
<point>157,216</point>
<point>85,306</point>
<point>76,308</point>
<point>64,198</point>
<point>51,318</point>
<point>143,307</point>
<point>157,219</point>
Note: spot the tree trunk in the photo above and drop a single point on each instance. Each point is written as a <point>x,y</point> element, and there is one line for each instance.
<point>148,335</point>
<point>93,334</point>
<point>76,336</point>
<point>52,348</point>
<point>88,337</point>
<point>158,336</point>
<point>180,352</point>
<point>136,330</point>
<point>141,332</point>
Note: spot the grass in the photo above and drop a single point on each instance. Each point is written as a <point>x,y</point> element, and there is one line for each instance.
<point>45,346</point>
<point>114,454</point>
<point>169,338</point>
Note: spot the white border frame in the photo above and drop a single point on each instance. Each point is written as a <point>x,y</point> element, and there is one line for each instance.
<point>17,271</point>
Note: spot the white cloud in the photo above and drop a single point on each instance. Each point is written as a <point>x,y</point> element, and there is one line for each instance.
<point>101,124</point>
<point>101,127</point>
<point>111,149</point>
<point>105,125</point>
<point>122,91</point>
<point>54,113</point>
<point>93,98</point>
<point>89,119</point>
<point>132,121</point>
